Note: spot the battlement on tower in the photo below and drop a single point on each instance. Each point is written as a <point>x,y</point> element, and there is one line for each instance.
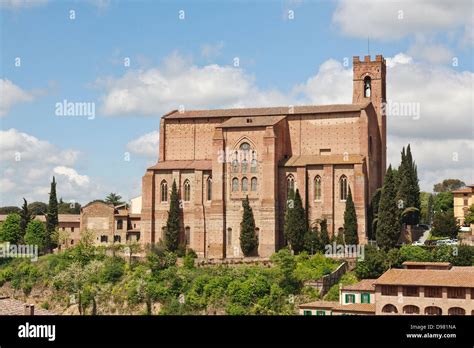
<point>378,58</point>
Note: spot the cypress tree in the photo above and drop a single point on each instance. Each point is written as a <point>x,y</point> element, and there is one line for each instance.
<point>324,236</point>
<point>25,217</point>
<point>373,213</point>
<point>312,241</point>
<point>52,216</point>
<point>340,237</point>
<point>172,224</point>
<point>248,237</point>
<point>388,225</point>
<point>429,210</point>
<point>408,189</point>
<point>350,221</point>
<point>295,223</point>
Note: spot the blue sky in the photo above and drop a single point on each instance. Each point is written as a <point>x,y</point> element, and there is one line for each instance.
<point>190,62</point>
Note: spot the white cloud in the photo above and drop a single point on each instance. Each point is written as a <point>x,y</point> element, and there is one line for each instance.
<point>146,145</point>
<point>27,165</point>
<point>72,175</point>
<point>431,52</point>
<point>17,4</point>
<point>11,95</point>
<point>209,51</point>
<point>397,19</point>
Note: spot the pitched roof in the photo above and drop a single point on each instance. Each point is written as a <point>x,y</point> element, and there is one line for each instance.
<point>363,285</point>
<point>467,189</point>
<point>170,165</point>
<point>304,160</point>
<point>252,121</point>
<point>62,218</point>
<point>356,308</point>
<point>455,277</point>
<point>269,111</point>
<point>319,304</point>
<point>9,306</point>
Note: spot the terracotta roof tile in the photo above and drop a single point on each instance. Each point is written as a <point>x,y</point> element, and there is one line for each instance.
<point>170,165</point>
<point>455,277</point>
<point>320,304</point>
<point>363,285</point>
<point>304,160</point>
<point>356,307</point>
<point>9,306</point>
<point>275,111</point>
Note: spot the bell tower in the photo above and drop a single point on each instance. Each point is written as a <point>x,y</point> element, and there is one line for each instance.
<point>369,77</point>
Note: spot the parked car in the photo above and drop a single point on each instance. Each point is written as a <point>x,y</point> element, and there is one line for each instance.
<point>447,242</point>
<point>418,243</point>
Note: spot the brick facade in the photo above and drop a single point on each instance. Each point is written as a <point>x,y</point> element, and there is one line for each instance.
<point>225,155</point>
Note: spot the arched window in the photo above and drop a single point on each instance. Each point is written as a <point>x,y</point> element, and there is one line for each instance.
<point>209,189</point>
<point>253,164</point>
<point>367,86</point>
<point>164,191</point>
<point>245,184</point>
<point>187,191</point>
<point>235,164</point>
<point>389,308</point>
<point>253,184</point>
<point>317,188</point>
<point>410,309</point>
<point>433,310</point>
<point>343,188</point>
<point>235,185</point>
<point>456,311</point>
<point>187,235</point>
<point>229,236</point>
<point>244,166</point>
<point>290,184</point>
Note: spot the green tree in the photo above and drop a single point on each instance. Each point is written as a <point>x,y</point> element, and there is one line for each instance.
<point>324,236</point>
<point>350,221</point>
<point>173,222</point>
<point>285,268</point>
<point>373,213</point>
<point>25,217</point>
<point>340,237</point>
<point>248,237</point>
<point>11,229</point>
<point>373,265</point>
<point>68,208</point>
<point>388,225</point>
<point>295,223</point>
<point>445,225</point>
<point>443,201</point>
<point>408,188</point>
<point>469,217</point>
<point>38,208</point>
<point>36,234</point>
<point>9,209</point>
<point>427,207</point>
<point>312,241</point>
<point>448,185</point>
<point>52,215</point>
<point>114,199</point>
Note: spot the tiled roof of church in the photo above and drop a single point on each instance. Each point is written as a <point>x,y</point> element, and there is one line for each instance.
<point>303,160</point>
<point>269,111</point>
<point>197,164</point>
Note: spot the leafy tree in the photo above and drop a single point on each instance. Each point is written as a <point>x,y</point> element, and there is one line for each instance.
<point>373,213</point>
<point>464,256</point>
<point>373,265</point>
<point>248,237</point>
<point>388,225</point>
<point>9,209</point>
<point>11,229</point>
<point>340,237</point>
<point>286,266</point>
<point>324,235</point>
<point>295,223</point>
<point>114,199</point>
<point>68,208</point>
<point>414,253</point>
<point>443,201</point>
<point>173,222</point>
<point>427,207</point>
<point>36,234</point>
<point>38,208</point>
<point>52,216</point>
<point>25,217</point>
<point>469,217</point>
<point>350,221</point>
<point>448,185</point>
<point>445,225</point>
<point>312,241</point>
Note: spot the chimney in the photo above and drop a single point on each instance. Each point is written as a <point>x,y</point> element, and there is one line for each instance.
<point>29,309</point>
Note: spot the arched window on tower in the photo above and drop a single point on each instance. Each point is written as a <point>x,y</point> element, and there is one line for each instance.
<point>164,191</point>
<point>367,86</point>
<point>209,188</point>
<point>235,163</point>
<point>317,188</point>
<point>187,191</point>
<point>343,188</point>
<point>290,184</point>
<point>253,164</point>
<point>244,156</point>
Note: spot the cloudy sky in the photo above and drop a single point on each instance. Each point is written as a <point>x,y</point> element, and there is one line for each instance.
<point>133,61</point>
